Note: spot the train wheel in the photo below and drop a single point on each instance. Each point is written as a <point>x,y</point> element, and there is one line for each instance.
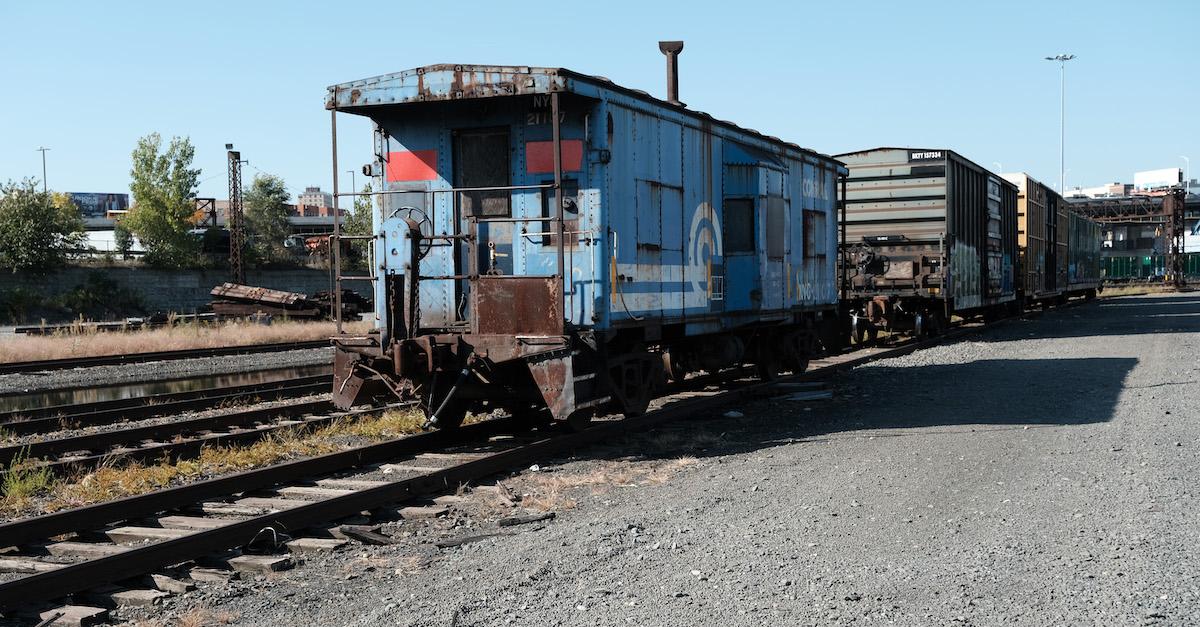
<point>632,379</point>
<point>673,369</point>
<point>767,367</point>
<point>938,323</point>
<point>920,326</point>
<point>579,420</point>
<point>858,329</point>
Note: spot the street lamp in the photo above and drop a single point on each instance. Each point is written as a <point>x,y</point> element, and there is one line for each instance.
<point>1187,175</point>
<point>1062,120</point>
<point>43,150</point>
<point>353,186</point>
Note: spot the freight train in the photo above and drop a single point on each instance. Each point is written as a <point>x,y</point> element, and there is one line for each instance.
<point>929,235</point>
<point>550,243</point>
<point>546,239</point>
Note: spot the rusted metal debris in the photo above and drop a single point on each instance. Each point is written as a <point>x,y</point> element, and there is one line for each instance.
<point>235,300</point>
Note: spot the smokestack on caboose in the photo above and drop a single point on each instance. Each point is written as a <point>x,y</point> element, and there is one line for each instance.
<point>672,49</point>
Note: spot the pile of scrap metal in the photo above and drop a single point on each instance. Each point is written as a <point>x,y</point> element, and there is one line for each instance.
<point>234,300</point>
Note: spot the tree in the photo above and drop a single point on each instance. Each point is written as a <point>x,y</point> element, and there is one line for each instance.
<point>123,239</point>
<point>359,222</point>
<point>164,185</point>
<point>267,216</point>
<point>38,231</point>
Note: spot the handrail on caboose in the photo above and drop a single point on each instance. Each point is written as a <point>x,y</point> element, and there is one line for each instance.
<point>335,275</point>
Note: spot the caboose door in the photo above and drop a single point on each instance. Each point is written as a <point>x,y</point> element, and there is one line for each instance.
<point>481,159</point>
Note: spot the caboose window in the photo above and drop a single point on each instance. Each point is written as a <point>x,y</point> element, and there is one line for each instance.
<point>481,159</point>
<point>815,241</point>
<point>738,225</point>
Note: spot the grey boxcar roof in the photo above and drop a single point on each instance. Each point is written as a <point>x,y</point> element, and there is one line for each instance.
<point>477,81</point>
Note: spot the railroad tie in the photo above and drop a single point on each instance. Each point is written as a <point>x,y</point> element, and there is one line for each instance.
<point>311,492</point>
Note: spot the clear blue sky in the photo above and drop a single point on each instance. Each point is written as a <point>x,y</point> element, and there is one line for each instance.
<point>88,78</point>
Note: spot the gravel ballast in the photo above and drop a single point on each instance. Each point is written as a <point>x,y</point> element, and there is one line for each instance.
<point>1043,472</point>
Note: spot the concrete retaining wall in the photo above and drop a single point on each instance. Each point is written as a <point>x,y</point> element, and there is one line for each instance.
<point>178,291</point>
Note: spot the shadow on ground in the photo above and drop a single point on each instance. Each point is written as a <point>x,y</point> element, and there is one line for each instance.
<point>989,394</point>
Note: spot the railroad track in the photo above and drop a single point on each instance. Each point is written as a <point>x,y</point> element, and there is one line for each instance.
<point>130,358</point>
<point>46,419</point>
<point>199,522</point>
<point>172,440</point>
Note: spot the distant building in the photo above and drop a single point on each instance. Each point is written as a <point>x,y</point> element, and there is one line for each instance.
<point>314,197</point>
<point>1157,180</point>
<point>1111,190</point>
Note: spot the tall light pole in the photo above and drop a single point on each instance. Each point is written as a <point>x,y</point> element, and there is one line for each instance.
<point>1187,175</point>
<point>43,150</point>
<point>353,188</point>
<point>1062,120</point>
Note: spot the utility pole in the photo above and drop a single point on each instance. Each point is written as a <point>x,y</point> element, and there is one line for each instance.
<point>1187,175</point>
<point>1062,120</point>
<point>43,151</point>
<point>237,231</point>
<point>353,187</point>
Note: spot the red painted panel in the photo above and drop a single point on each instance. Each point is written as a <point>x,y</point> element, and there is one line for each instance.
<point>417,165</point>
<point>539,156</point>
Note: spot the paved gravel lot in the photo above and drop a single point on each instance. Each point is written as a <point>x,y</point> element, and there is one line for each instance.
<point>1043,473</point>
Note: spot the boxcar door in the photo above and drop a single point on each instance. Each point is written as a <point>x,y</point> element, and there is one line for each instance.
<point>775,238</point>
<point>481,159</point>
<point>739,228</point>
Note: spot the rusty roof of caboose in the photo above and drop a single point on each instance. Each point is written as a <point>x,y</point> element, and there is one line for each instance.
<point>445,82</point>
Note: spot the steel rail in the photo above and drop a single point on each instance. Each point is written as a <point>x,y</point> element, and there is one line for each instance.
<point>88,517</point>
<point>174,355</point>
<point>98,442</point>
<point>44,425</point>
<point>166,396</point>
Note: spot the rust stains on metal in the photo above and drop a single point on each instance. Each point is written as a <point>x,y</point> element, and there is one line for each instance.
<point>512,305</point>
<point>554,377</point>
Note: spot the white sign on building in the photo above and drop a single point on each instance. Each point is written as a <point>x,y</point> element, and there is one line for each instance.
<point>1157,179</point>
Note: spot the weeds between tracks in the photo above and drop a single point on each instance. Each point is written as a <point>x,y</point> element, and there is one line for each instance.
<point>23,481</point>
<point>33,487</point>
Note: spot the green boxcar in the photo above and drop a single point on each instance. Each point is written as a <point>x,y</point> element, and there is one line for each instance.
<point>1143,268</point>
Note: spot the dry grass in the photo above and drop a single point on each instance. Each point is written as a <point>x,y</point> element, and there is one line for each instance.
<point>204,617</point>
<point>23,481</point>
<point>111,482</point>
<point>1141,289</point>
<point>552,491</point>
<point>410,564</point>
<point>90,343</point>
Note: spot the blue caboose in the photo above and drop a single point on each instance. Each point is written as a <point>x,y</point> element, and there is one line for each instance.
<point>548,239</point>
